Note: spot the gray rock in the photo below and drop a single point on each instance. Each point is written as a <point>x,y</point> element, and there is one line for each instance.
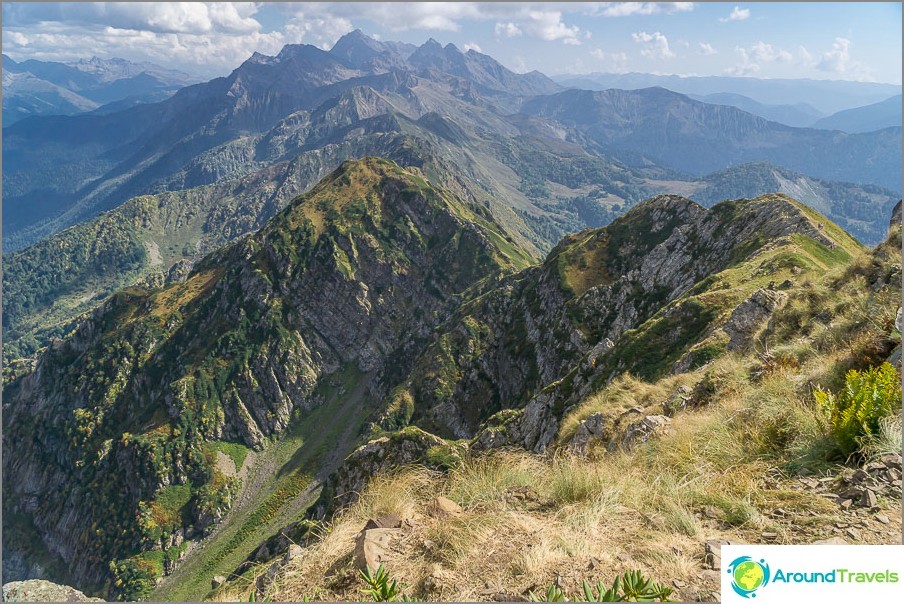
<point>217,581</point>
<point>831,541</point>
<point>642,431</point>
<point>712,553</point>
<point>39,590</point>
<point>749,315</point>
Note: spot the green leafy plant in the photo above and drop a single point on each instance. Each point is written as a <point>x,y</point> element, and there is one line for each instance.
<point>630,587</point>
<point>867,397</point>
<point>554,593</point>
<point>381,587</point>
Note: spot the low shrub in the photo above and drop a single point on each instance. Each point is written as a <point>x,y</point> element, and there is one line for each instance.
<point>867,397</point>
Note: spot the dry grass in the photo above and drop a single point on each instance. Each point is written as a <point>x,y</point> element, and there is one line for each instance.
<point>722,471</point>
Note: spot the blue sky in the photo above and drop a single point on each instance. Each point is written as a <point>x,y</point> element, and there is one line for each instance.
<point>849,41</point>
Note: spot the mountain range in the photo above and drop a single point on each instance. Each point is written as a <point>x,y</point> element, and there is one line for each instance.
<point>864,119</point>
<point>825,96</point>
<point>49,88</point>
<point>236,321</point>
<point>63,170</point>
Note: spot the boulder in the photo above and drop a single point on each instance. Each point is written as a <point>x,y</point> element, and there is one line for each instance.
<point>712,553</point>
<point>746,319</point>
<point>590,429</point>
<point>217,581</point>
<point>372,546</point>
<point>39,590</point>
<point>642,431</point>
<point>441,507</point>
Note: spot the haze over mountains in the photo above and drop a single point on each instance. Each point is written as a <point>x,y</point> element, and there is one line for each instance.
<point>826,96</point>
<point>64,170</point>
<point>218,159</point>
<point>50,88</point>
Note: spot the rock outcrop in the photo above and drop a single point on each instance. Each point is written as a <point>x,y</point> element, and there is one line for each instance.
<point>39,590</point>
<point>750,316</point>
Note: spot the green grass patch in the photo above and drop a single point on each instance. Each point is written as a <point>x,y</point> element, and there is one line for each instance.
<point>236,451</point>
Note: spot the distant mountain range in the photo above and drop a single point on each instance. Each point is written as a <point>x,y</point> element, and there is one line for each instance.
<point>49,88</point>
<point>61,170</point>
<point>673,130</point>
<point>800,115</point>
<point>865,119</point>
<point>826,96</point>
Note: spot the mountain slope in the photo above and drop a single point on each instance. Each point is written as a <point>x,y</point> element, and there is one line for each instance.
<point>347,281</point>
<point>827,96</point>
<point>33,88</point>
<point>800,115</point>
<point>601,304</point>
<point>858,209</point>
<point>885,114</point>
<point>684,134</point>
<point>208,132</point>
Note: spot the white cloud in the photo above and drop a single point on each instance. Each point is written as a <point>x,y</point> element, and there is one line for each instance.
<point>626,9</point>
<point>471,46</point>
<point>706,49</point>
<point>655,45</point>
<point>753,58</point>
<point>737,14</point>
<point>837,60</point>
<point>204,37</point>
<point>548,25</point>
<point>509,30</point>
<point>615,62</point>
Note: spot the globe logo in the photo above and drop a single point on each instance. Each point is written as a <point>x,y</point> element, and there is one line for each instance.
<point>748,575</point>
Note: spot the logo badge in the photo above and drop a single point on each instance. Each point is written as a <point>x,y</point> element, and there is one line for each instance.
<point>748,575</point>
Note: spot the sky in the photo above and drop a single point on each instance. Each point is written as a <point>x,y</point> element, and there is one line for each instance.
<point>819,40</point>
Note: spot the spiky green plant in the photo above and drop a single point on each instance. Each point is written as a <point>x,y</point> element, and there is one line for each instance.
<point>630,587</point>
<point>381,587</point>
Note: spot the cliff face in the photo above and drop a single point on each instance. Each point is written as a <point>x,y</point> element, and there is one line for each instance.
<point>634,296</point>
<point>117,420</point>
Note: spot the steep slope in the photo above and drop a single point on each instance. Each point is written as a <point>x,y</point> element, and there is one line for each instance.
<point>885,114</point>
<point>642,295</point>
<point>676,131</point>
<point>349,280</point>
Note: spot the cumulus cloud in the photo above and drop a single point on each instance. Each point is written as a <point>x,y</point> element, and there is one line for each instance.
<point>615,62</point>
<point>655,45</point>
<point>509,30</point>
<point>471,46</point>
<point>706,49</point>
<point>548,25</point>
<point>737,14</point>
<point>838,59</point>
<point>626,9</point>
<point>754,57</point>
